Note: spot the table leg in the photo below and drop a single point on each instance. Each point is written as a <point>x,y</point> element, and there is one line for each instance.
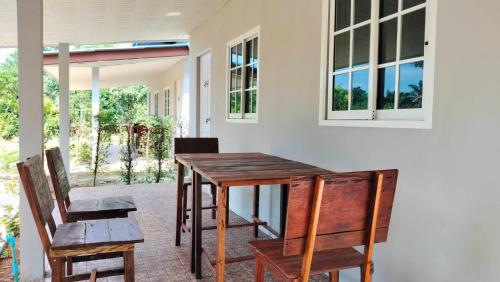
<point>221,234</point>
<point>180,184</point>
<point>283,208</point>
<point>198,220</point>
<point>193,223</point>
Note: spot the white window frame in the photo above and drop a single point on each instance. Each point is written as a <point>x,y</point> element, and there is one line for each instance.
<point>166,106</point>
<point>397,118</point>
<point>242,39</point>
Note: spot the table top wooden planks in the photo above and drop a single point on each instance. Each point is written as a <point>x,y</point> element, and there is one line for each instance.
<point>240,169</point>
<point>95,233</point>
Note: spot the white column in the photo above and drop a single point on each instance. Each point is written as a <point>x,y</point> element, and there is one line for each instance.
<point>95,106</point>
<point>30,44</point>
<point>64,117</point>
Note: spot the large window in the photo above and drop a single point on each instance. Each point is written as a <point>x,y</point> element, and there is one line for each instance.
<point>379,63</point>
<point>243,76</point>
<point>156,104</point>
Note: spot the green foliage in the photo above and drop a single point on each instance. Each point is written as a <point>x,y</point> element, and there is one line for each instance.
<point>10,219</point>
<point>9,104</point>
<point>127,158</point>
<point>106,126</point>
<point>82,153</point>
<point>340,99</point>
<point>161,132</point>
<point>8,160</point>
<point>11,187</point>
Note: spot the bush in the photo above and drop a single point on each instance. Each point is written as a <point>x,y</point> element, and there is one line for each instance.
<point>8,160</point>
<point>10,219</point>
<point>82,153</point>
<point>160,142</point>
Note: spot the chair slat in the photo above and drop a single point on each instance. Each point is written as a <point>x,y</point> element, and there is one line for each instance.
<point>196,145</point>
<point>34,167</point>
<point>58,172</point>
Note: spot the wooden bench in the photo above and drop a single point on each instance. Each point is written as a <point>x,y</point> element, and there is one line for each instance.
<point>72,211</point>
<point>77,241</point>
<point>327,217</point>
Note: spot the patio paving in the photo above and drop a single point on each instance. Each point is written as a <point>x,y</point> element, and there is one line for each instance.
<point>158,259</point>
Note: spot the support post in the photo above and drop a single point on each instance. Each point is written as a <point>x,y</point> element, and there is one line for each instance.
<point>95,107</point>
<point>64,117</point>
<point>30,48</point>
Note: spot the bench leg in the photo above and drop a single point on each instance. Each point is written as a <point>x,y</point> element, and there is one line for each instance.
<point>259,268</point>
<point>69,266</point>
<point>178,223</point>
<point>227,205</point>
<point>58,270</point>
<point>213,191</point>
<point>334,276</point>
<point>256,197</point>
<point>128,265</point>
<point>184,203</point>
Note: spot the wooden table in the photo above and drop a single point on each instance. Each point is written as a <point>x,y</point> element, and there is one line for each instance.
<point>232,170</point>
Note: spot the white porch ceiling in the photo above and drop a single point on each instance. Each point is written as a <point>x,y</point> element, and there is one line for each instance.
<point>116,73</point>
<point>110,21</point>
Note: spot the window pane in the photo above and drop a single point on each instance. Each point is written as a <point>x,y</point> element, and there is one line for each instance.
<point>340,92</point>
<point>360,90</point>
<point>248,77</point>
<point>410,3</point>
<point>387,41</point>
<point>255,74</point>
<point>342,14</point>
<point>413,35</point>
<point>411,77</point>
<point>250,101</point>
<point>388,7</point>
<point>361,51</point>
<point>248,52</point>
<point>235,102</point>
<point>234,57</point>
<point>256,48</point>
<point>341,56</point>
<point>386,88</point>
<point>239,54</point>
<point>236,79</point>
<point>362,10</point>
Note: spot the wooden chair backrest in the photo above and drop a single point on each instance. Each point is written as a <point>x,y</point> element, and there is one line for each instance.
<point>39,197</point>
<point>59,179</point>
<point>196,145</point>
<point>344,212</point>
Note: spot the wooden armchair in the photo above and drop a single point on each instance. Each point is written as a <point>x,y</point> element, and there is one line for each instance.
<point>327,217</point>
<point>78,241</point>
<point>72,211</point>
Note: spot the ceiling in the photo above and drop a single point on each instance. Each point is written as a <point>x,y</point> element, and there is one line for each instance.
<point>111,21</point>
<point>116,73</point>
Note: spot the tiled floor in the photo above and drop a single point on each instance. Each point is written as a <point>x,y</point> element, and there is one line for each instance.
<point>158,259</point>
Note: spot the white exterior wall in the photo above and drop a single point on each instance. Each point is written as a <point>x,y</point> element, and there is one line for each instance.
<point>445,223</point>
<point>168,79</point>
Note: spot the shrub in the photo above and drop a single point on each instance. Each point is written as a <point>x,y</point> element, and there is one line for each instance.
<point>160,142</point>
<point>10,219</point>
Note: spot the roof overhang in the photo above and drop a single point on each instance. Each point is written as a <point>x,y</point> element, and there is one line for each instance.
<point>103,55</point>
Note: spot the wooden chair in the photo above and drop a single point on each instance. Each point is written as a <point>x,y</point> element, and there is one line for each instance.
<point>80,241</point>
<point>192,146</point>
<point>72,211</point>
<point>327,217</point>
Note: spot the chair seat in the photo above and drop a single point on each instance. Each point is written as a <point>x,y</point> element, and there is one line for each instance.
<point>96,233</point>
<point>101,208</point>
<point>290,266</point>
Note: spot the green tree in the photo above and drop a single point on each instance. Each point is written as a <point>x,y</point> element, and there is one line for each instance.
<point>106,126</point>
<point>161,132</point>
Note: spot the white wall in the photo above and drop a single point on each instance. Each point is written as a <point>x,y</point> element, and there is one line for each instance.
<point>445,223</point>
<point>168,79</point>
